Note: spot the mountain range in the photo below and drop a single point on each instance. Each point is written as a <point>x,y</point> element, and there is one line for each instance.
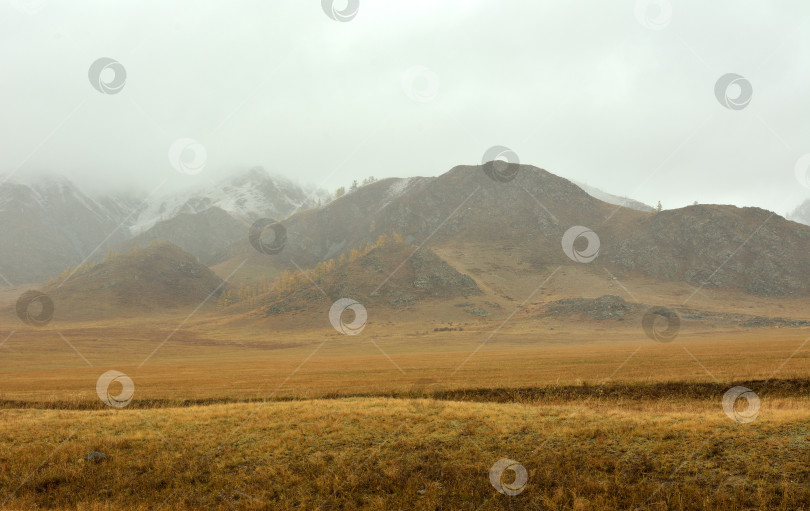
<point>718,246</point>
<point>51,224</point>
<point>474,220</point>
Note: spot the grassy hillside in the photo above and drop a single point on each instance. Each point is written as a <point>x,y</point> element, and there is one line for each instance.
<point>388,273</point>
<point>157,278</point>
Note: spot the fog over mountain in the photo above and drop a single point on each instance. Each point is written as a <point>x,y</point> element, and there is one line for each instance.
<point>50,223</point>
<point>398,92</point>
<point>801,213</point>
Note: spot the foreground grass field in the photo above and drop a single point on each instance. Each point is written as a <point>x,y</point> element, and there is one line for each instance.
<point>381,454</point>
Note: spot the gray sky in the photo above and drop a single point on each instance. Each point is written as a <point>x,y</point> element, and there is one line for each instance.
<point>582,89</point>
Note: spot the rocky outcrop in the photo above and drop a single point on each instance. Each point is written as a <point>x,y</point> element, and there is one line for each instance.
<point>747,249</point>
<point>602,308</point>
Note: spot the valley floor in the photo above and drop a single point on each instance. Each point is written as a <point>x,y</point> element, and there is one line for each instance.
<point>59,366</point>
<point>406,416</point>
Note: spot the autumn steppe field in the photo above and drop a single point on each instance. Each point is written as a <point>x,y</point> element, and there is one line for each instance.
<point>402,417</point>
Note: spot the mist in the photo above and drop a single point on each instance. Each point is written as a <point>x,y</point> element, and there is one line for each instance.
<point>620,98</point>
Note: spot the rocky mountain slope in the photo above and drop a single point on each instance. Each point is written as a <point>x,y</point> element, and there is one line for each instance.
<point>749,249</point>
<point>527,216</point>
<point>388,273</point>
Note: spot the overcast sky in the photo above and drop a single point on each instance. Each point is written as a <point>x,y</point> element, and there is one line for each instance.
<point>608,93</point>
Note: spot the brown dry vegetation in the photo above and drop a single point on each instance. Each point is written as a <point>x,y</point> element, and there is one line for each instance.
<point>241,417</point>
<point>408,454</point>
<point>208,359</point>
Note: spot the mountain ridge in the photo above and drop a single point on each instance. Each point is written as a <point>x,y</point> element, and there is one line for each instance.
<point>522,210</point>
<point>528,216</point>
<point>49,224</point>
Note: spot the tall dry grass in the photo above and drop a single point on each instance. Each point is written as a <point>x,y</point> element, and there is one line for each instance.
<point>377,453</point>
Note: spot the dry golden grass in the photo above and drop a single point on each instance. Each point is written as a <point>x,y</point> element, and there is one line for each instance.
<point>210,359</point>
<point>600,416</point>
<point>407,454</point>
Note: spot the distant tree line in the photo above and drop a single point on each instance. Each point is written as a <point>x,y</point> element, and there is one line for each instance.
<point>341,191</point>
